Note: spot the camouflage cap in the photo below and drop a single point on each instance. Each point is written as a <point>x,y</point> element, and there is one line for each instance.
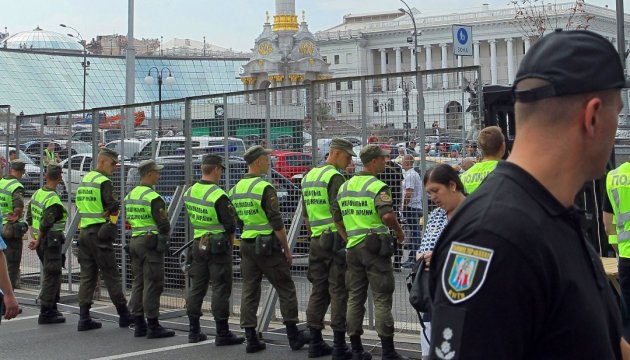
<point>371,152</point>
<point>342,144</point>
<point>147,166</point>
<point>18,164</point>
<point>109,153</point>
<point>254,153</point>
<point>53,170</point>
<point>212,159</point>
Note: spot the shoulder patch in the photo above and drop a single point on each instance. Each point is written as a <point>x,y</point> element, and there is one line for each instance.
<point>465,271</point>
<point>385,196</point>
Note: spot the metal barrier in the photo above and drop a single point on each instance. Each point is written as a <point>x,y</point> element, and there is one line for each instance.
<point>297,122</point>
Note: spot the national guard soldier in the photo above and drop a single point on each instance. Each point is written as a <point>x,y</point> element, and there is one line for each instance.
<point>98,206</point>
<point>264,249</point>
<point>12,207</point>
<point>492,144</point>
<point>212,216</point>
<point>46,217</point>
<point>145,211</point>
<point>327,254</point>
<point>363,213</point>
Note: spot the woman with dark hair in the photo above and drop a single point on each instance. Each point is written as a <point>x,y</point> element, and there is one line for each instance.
<point>446,190</point>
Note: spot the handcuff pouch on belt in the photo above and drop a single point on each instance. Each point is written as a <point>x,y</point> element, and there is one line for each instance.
<point>380,244</point>
<point>388,245</point>
<point>214,244</point>
<point>327,240</point>
<point>265,244</point>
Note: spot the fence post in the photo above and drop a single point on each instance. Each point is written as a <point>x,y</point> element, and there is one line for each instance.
<point>123,235</point>
<point>364,112</point>
<point>8,131</point>
<point>153,129</point>
<point>94,136</point>
<point>314,121</point>
<point>268,121</point>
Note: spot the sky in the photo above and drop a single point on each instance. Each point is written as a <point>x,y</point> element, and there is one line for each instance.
<point>226,23</point>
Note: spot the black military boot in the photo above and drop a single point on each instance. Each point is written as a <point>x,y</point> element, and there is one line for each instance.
<point>85,321</point>
<point>389,352</point>
<point>297,338</point>
<point>194,330</point>
<point>317,347</point>
<point>57,312</point>
<point>340,350</point>
<point>124,316</point>
<point>225,336</point>
<point>253,343</point>
<point>140,326</point>
<point>47,315</point>
<point>357,349</point>
<point>156,331</point>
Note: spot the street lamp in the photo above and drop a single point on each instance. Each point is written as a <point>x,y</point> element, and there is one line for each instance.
<point>420,108</point>
<point>170,80</point>
<point>85,64</point>
<point>404,87</point>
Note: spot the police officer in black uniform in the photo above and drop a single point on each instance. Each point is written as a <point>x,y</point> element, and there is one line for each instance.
<point>512,276</point>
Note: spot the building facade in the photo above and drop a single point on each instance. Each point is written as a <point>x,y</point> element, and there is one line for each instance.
<point>382,44</point>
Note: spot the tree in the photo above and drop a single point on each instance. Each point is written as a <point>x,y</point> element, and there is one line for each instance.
<point>536,18</point>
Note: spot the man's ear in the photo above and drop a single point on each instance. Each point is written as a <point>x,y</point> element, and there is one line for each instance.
<point>590,115</point>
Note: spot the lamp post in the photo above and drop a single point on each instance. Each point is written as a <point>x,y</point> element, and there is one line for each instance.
<point>204,46</point>
<point>420,108</point>
<point>405,87</point>
<point>85,64</point>
<point>170,80</point>
<point>383,107</point>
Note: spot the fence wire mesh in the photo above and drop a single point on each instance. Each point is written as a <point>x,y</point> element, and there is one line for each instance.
<point>297,123</point>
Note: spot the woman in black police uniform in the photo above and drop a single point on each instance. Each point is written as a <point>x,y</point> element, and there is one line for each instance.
<point>512,276</point>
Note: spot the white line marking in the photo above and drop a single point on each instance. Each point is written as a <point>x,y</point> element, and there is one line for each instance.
<point>152,351</point>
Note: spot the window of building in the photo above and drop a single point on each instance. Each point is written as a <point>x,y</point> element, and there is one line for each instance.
<point>386,58</point>
<point>338,85</point>
<point>338,106</point>
<point>349,85</point>
<point>325,58</point>
<point>390,104</point>
<point>375,105</point>
<point>336,59</point>
<point>350,106</point>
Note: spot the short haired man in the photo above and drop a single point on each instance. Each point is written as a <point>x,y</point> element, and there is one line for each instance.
<point>212,216</point>
<point>145,211</point>
<point>264,250</point>
<point>363,215</point>
<point>327,255</point>
<point>12,207</point>
<point>98,204</point>
<point>46,217</point>
<point>513,276</point>
<point>492,144</point>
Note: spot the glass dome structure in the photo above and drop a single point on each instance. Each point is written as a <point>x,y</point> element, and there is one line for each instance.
<point>39,39</point>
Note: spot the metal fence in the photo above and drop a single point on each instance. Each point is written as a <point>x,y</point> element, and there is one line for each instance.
<point>297,122</point>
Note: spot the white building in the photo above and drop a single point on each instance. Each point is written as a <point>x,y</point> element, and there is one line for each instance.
<point>377,43</point>
<point>187,47</point>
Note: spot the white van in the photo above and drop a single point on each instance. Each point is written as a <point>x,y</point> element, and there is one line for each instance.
<point>175,145</point>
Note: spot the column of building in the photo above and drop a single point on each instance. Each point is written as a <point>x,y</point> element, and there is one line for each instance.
<point>296,79</point>
<point>383,68</point>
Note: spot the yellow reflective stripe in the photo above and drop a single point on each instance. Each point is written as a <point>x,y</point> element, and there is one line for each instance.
<point>320,222</point>
<point>381,229</point>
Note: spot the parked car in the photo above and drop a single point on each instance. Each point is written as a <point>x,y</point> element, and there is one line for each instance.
<point>172,146</point>
<point>34,149</point>
<point>131,147</point>
<point>104,135</point>
<point>33,173</point>
<point>74,169</point>
<point>289,163</point>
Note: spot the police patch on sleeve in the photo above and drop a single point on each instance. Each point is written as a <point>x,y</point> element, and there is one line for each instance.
<point>465,271</point>
<point>385,196</point>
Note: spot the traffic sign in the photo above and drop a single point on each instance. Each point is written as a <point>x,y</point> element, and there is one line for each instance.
<point>462,40</point>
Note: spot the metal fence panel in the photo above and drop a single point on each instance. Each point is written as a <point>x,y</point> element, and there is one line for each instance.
<point>297,123</point>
